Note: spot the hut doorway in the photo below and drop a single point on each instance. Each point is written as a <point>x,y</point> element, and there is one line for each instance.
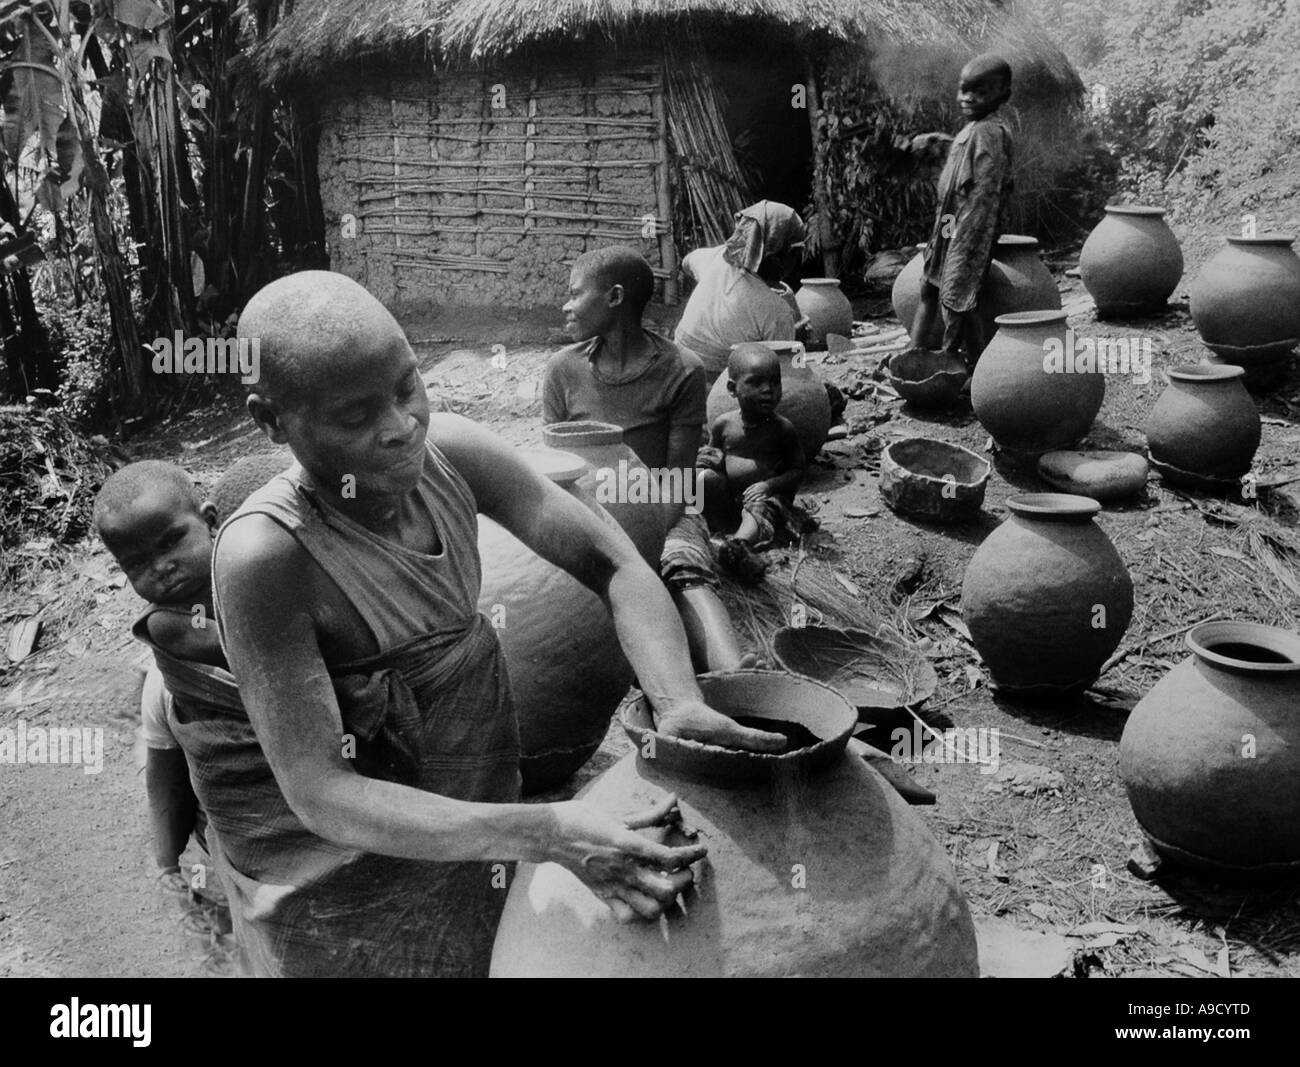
<point>757,75</point>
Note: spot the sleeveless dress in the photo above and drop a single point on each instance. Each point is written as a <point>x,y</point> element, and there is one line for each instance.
<point>431,710</point>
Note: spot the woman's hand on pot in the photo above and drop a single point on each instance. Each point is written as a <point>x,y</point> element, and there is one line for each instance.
<point>637,877</point>
<point>696,721</point>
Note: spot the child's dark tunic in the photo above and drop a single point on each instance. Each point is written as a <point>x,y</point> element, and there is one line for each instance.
<point>974,195</point>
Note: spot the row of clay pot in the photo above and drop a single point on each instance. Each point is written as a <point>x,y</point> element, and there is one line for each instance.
<point>1245,301</point>
<point>1210,756</point>
<point>1202,432</point>
<point>1018,280</point>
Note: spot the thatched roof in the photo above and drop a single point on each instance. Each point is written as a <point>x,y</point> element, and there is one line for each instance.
<point>319,35</point>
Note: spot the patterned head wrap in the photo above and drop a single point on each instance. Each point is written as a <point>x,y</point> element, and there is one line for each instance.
<point>763,229</point>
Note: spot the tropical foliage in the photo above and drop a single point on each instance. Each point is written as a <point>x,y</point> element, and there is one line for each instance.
<point>152,172</point>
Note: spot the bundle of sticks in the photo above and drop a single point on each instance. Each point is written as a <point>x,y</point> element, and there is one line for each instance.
<point>711,187</point>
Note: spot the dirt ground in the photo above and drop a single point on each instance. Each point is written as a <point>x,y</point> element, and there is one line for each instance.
<point>1040,847</point>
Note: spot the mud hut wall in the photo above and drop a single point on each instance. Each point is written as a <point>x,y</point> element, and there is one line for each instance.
<point>481,188</point>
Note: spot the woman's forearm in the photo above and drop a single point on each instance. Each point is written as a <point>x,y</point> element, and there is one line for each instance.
<point>353,811</point>
<point>650,632</point>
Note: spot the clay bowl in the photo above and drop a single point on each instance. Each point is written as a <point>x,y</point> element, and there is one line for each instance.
<point>879,675</point>
<point>752,695</point>
<point>933,480</point>
<point>925,378</point>
<point>563,468</point>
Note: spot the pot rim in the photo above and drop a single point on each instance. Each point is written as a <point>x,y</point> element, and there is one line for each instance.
<point>1141,210</point>
<point>980,480</point>
<point>581,434</point>
<point>1041,317</point>
<point>942,372</point>
<point>819,281</point>
<point>1067,506</point>
<point>1207,373</point>
<point>1274,239</point>
<point>783,349</point>
<point>1273,638</point>
<point>561,467</point>
<point>1017,240</point>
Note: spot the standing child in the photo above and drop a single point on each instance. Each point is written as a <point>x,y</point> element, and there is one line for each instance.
<point>753,463</point>
<point>974,195</point>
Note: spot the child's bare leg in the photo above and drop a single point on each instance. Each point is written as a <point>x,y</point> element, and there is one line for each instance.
<point>717,506</point>
<point>973,336</point>
<point>748,530</point>
<point>709,635</point>
<point>927,316</point>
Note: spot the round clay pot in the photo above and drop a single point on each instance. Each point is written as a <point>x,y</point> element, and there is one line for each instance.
<point>826,308</point>
<point>1018,281</point>
<point>926,378</point>
<point>1096,473</point>
<point>933,480</point>
<point>600,445</point>
<point>1211,755</point>
<point>817,870</point>
<point>567,669</point>
<point>1204,428</point>
<point>1018,395</point>
<point>803,397</point>
<point>1246,300</point>
<point>906,297</point>
<point>1131,262</point>
<point>1046,597</point>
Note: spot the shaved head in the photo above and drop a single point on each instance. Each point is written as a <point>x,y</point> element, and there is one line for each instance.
<point>311,323</point>
<point>988,66</point>
<point>619,265</point>
<point>749,356</point>
<point>122,488</point>
<point>243,477</point>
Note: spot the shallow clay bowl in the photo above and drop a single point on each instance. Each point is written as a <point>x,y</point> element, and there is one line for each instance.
<point>925,378</point>
<point>560,467</point>
<point>933,480</point>
<point>754,695</point>
<point>876,674</point>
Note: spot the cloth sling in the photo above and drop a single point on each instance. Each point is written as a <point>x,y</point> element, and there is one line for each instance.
<point>431,710</point>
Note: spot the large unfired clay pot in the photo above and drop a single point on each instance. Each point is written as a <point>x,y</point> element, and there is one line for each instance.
<point>1046,597</point>
<point>1204,428</point>
<point>1211,755</point>
<point>567,670</point>
<point>1246,300</point>
<point>826,308</point>
<point>1131,262</point>
<point>1020,397</point>
<point>1018,281</point>
<point>814,869</point>
<point>803,397</point>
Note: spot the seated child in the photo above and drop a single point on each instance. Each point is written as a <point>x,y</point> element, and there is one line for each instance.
<point>753,464</point>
